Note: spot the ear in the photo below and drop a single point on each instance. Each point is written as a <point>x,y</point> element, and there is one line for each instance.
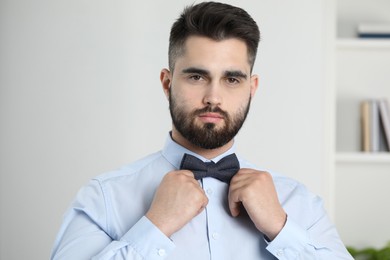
<point>254,84</point>
<point>165,78</point>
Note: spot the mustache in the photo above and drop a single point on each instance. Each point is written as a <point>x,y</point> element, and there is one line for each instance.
<point>210,109</point>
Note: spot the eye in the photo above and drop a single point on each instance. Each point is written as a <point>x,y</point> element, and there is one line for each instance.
<point>195,77</point>
<point>233,81</point>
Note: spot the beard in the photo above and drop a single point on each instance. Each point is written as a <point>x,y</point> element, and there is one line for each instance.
<point>207,135</point>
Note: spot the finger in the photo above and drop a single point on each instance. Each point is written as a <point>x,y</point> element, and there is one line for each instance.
<point>186,172</point>
<point>234,208</point>
<point>242,174</point>
<point>239,182</point>
<point>204,205</point>
<point>234,203</point>
<point>189,175</point>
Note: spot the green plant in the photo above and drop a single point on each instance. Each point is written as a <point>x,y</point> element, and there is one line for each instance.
<point>370,253</point>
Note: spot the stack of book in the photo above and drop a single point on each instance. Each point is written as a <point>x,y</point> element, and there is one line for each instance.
<point>374,30</point>
<point>375,118</point>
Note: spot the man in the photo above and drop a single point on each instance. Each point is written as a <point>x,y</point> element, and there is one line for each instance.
<point>194,199</point>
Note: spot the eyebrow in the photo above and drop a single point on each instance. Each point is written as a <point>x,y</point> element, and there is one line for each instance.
<point>235,74</point>
<point>227,73</point>
<point>196,71</point>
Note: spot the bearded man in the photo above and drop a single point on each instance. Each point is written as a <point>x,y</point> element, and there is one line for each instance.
<point>196,199</point>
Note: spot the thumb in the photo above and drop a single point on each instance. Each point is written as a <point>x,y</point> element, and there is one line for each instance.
<point>204,204</point>
<point>234,207</point>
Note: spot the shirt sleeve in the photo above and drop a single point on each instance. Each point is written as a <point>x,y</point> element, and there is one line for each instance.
<point>320,241</point>
<point>142,241</point>
<point>84,233</point>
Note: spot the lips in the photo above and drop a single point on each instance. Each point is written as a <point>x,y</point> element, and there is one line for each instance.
<point>211,117</point>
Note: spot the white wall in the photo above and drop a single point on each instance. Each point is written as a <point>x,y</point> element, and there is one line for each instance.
<point>80,95</point>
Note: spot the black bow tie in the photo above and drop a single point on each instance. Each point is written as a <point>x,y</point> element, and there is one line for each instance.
<point>223,170</point>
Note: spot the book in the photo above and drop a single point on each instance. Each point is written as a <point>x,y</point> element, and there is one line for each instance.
<point>374,30</point>
<point>385,120</point>
<point>375,125</point>
<point>365,122</point>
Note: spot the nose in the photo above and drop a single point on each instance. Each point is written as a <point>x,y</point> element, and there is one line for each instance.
<point>212,95</point>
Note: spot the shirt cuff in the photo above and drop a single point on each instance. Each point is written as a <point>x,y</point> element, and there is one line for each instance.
<point>290,242</point>
<point>148,241</point>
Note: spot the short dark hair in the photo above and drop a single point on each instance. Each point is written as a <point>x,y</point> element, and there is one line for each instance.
<point>216,21</point>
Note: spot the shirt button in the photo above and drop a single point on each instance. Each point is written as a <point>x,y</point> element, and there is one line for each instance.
<point>209,191</point>
<point>279,253</point>
<point>161,252</point>
<point>215,236</point>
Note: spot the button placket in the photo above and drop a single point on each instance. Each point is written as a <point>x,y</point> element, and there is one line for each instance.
<point>213,192</point>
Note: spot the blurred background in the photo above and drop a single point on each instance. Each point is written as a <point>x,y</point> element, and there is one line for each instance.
<point>80,95</point>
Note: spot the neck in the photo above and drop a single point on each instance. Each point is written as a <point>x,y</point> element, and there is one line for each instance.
<point>206,153</point>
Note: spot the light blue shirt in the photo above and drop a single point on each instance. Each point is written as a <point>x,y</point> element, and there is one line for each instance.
<point>106,220</point>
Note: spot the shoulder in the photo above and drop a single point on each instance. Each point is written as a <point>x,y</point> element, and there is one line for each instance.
<point>279,179</point>
<point>301,204</point>
<point>132,169</point>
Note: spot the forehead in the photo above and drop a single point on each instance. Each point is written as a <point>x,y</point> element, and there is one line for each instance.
<point>205,52</point>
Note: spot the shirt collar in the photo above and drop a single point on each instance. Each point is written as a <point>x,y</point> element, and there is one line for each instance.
<point>174,152</point>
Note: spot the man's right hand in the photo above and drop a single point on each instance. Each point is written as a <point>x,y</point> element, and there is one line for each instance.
<point>178,199</point>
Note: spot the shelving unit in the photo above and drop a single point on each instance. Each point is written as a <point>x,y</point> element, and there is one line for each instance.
<point>361,157</point>
<point>363,43</point>
<point>361,191</point>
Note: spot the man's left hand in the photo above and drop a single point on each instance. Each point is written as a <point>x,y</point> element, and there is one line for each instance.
<point>256,191</point>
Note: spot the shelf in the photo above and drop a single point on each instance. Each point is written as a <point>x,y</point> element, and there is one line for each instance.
<point>361,157</point>
<point>364,43</point>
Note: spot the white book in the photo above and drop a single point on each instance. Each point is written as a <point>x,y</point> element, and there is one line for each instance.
<point>374,28</point>
<point>374,126</point>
